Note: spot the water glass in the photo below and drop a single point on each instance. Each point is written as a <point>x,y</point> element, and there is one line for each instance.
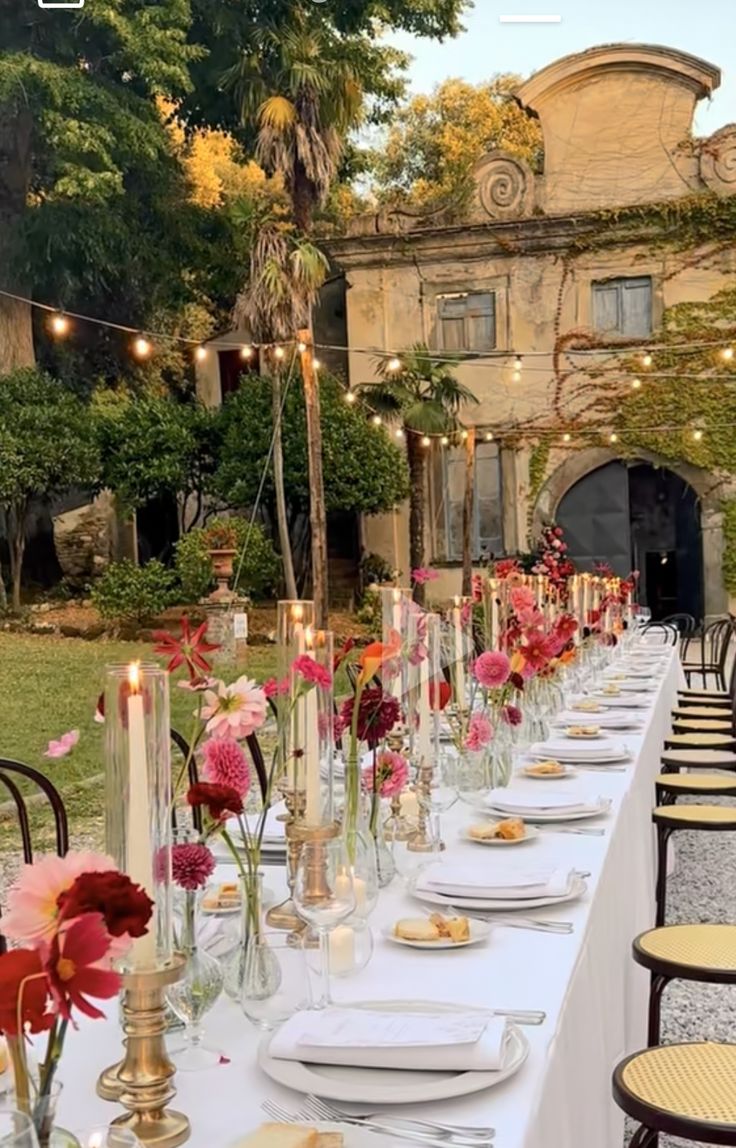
<point>16,1129</point>
<point>107,1136</point>
<point>324,895</point>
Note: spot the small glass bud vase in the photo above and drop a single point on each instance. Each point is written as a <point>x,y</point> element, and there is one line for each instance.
<point>251,925</point>
<point>194,995</point>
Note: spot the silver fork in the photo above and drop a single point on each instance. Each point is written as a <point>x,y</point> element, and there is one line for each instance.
<point>455,1133</point>
<point>418,1131</point>
<point>515,922</point>
<point>565,829</point>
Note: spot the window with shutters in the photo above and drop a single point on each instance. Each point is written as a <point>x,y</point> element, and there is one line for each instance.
<point>467,322</point>
<point>448,495</point>
<point>623,306</point>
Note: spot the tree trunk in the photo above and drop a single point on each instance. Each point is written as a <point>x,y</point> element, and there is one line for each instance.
<point>468,513</point>
<point>417,467</point>
<point>317,513</point>
<point>278,481</point>
<point>17,542</point>
<point>16,327</point>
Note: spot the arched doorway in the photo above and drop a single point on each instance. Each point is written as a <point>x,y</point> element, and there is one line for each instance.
<point>637,516</point>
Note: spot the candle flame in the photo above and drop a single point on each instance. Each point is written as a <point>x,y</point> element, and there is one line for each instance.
<point>134,677</point>
<point>297,612</point>
<point>309,637</point>
<point>397,596</point>
<point>95,1140</point>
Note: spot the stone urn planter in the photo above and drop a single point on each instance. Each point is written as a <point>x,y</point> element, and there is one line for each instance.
<point>223,560</point>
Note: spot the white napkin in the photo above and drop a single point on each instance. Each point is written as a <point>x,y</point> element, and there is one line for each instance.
<point>579,751</point>
<point>457,880</point>
<point>527,803</point>
<point>367,1039</point>
<point>606,720</point>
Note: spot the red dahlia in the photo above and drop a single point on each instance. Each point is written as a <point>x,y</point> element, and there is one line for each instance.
<point>125,907</point>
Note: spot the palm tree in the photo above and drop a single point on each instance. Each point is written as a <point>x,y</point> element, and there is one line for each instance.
<point>425,395</point>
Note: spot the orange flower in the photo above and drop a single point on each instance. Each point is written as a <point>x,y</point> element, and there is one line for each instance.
<point>518,661</point>
<point>568,656</point>
<point>374,655</point>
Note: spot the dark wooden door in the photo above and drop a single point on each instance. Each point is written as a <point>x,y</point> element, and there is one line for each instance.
<point>595,517</point>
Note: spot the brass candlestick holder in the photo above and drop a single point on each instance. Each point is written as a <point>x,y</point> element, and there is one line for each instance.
<point>284,916</point>
<point>420,841</point>
<point>397,825</point>
<point>142,1081</point>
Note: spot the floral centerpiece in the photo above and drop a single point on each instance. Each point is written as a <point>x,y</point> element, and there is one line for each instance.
<point>72,917</point>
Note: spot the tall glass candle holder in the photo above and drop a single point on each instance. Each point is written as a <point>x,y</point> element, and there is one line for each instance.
<point>459,648</point>
<point>396,604</point>
<point>424,658</point>
<point>139,797</point>
<point>293,618</point>
<point>308,728</point>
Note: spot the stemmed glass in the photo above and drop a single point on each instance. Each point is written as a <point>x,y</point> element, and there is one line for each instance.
<point>107,1136</point>
<point>16,1129</point>
<point>324,895</point>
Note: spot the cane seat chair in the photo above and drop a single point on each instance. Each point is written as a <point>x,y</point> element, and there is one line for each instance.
<point>714,652</point>
<point>685,1090</point>
<point>701,739</point>
<point>693,711</point>
<point>669,786</point>
<point>668,819</point>
<point>702,725</point>
<point>705,953</point>
<point>676,759</point>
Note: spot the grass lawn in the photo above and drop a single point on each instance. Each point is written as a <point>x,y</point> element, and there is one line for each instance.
<point>51,685</point>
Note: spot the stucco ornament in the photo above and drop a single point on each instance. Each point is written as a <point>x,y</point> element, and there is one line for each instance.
<point>718,161</point>
<point>505,186</point>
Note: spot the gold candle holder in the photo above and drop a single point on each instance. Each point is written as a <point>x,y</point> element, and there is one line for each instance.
<point>284,916</point>
<point>142,1081</point>
<point>420,841</point>
<point>397,825</point>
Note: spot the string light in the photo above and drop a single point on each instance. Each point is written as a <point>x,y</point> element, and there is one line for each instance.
<point>246,351</point>
<point>200,354</point>
<point>635,384</point>
<point>566,436</point>
<point>141,347</point>
<point>697,436</point>
<point>518,364</point>
<point>301,346</point>
<point>516,377</point>
<point>646,360</point>
<point>727,354</point>
<point>489,436</point>
<point>376,420</point>
<point>278,352</point>
<point>399,432</point>
<point>394,364</point>
<point>426,440</point>
<point>464,436</point>
<point>350,396</point>
<point>613,437</point>
<point>59,325</point>
<point>316,364</point>
<point>444,440</point>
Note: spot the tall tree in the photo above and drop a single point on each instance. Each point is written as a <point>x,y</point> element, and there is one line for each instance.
<point>468,510</point>
<point>435,140</point>
<point>427,398</point>
<point>76,114</point>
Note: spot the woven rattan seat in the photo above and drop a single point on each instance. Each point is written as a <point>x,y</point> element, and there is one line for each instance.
<point>699,712</point>
<point>708,817</point>
<point>709,695</point>
<point>696,782</point>
<point>707,725</point>
<point>684,1089</point>
<point>699,759</point>
<point>704,740</point>
<point>695,952</point>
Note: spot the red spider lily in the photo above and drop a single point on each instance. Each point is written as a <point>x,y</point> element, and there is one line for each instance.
<point>188,650</point>
<point>24,989</point>
<point>71,967</point>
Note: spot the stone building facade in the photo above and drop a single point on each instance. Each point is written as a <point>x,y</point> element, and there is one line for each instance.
<point>513,279</point>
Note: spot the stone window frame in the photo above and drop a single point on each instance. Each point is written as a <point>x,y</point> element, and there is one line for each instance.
<point>497,285</point>
<point>587,278</point>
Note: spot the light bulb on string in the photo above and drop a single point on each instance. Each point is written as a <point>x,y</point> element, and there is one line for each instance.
<point>444,440</point>
<point>426,440</point>
<point>518,364</point>
<point>516,377</point>
<point>200,354</point>
<point>376,420</point>
<point>697,435</point>
<point>635,384</point>
<point>646,359</point>
<point>59,325</point>
<point>350,396</point>
<point>141,347</point>
<point>613,437</point>
<point>399,432</point>
<point>278,353</point>
<point>566,436</point>
<point>393,364</point>
<point>464,436</point>
<point>727,354</point>
<point>246,351</point>
<point>316,364</point>
<point>301,346</point>
<point>489,436</point>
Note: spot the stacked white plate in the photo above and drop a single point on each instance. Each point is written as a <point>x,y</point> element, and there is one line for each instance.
<point>541,807</point>
<point>607,720</point>
<point>464,886</point>
<point>606,751</point>
<point>621,701</point>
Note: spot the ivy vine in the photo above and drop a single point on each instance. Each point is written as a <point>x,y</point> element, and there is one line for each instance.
<point>729,545</point>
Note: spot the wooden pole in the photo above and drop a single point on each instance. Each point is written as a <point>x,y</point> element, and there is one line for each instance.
<point>468,515</point>
<point>317,513</point>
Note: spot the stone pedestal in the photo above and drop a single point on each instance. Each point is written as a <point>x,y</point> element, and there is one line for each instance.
<point>221,628</point>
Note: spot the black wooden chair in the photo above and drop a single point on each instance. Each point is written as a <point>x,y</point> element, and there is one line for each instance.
<point>668,635</point>
<point>12,774</point>
<point>714,652</point>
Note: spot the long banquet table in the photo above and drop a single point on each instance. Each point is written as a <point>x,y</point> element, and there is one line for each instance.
<point>593,994</point>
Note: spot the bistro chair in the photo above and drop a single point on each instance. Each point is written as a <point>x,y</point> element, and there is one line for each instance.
<point>669,786</point>
<point>670,818</point>
<point>677,759</point>
<point>682,1089</point>
<point>12,774</point>
<point>704,953</point>
<point>721,724</point>
<point>714,651</point>
<point>666,634</point>
<point>703,739</point>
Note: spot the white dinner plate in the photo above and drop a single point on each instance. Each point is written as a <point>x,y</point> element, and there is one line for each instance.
<point>391,1085</point>
<point>622,701</point>
<point>530,835</point>
<point>603,806</point>
<point>352,1137</point>
<point>479,931</point>
<point>500,904</point>
<point>579,759</point>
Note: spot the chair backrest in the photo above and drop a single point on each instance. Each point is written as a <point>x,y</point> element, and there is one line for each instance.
<point>667,634</point>
<point>717,637</point>
<point>685,623</point>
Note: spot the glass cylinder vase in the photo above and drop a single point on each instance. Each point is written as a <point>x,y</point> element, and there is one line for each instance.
<point>138,804</point>
<point>305,726</point>
<point>458,650</point>
<point>251,925</point>
<point>395,606</point>
<point>424,657</point>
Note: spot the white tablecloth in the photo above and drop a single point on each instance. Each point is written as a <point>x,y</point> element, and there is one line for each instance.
<point>593,994</point>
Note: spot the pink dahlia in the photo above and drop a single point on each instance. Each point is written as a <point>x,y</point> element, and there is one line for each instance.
<point>522,598</point>
<point>492,669</point>
<point>191,865</point>
<point>33,910</point>
<point>480,732</point>
<point>234,711</point>
<point>424,574</point>
<point>225,764</point>
<point>312,671</point>
<point>392,774</point>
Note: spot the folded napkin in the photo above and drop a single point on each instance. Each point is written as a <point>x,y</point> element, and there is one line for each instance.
<point>528,803</point>
<point>457,880</point>
<point>579,750</point>
<point>605,720</point>
<point>362,1038</point>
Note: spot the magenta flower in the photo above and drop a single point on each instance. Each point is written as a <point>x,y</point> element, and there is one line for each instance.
<point>522,598</point>
<point>64,745</point>
<point>312,672</point>
<point>274,688</point>
<point>234,711</point>
<point>392,774</point>
<point>226,764</point>
<point>480,732</point>
<point>191,865</point>
<point>492,669</point>
<point>424,574</point>
<point>512,715</point>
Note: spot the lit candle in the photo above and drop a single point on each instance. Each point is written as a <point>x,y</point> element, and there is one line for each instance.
<point>396,627</point>
<point>345,882</point>
<point>586,599</point>
<point>540,589</point>
<point>424,732</point>
<point>139,856</point>
<point>457,623</point>
<point>493,596</point>
<point>342,949</point>
<point>313,807</point>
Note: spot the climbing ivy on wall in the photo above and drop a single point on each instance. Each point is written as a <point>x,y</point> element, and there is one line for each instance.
<point>729,545</point>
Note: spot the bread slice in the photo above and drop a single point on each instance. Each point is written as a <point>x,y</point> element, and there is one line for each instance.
<point>458,928</point>
<point>282,1136</point>
<point>416,929</point>
<point>331,1140</point>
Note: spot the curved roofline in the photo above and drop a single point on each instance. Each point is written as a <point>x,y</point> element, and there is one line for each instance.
<point>702,77</point>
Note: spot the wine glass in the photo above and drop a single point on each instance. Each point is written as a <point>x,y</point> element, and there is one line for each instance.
<point>324,895</point>
<point>107,1136</point>
<point>16,1129</point>
<point>192,997</point>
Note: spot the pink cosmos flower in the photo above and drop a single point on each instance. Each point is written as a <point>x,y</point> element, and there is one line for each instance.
<point>78,965</point>
<point>64,745</point>
<point>538,650</point>
<point>522,598</point>
<point>197,685</point>
<point>274,688</point>
<point>424,574</point>
<point>492,669</point>
<point>191,865</point>
<point>392,774</point>
<point>532,618</point>
<point>225,764</point>
<point>234,711</point>
<point>32,914</point>
<point>480,732</point>
<point>312,671</point>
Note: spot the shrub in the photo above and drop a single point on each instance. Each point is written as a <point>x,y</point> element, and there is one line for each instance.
<point>375,568</point>
<point>261,568</point>
<point>130,593</point>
